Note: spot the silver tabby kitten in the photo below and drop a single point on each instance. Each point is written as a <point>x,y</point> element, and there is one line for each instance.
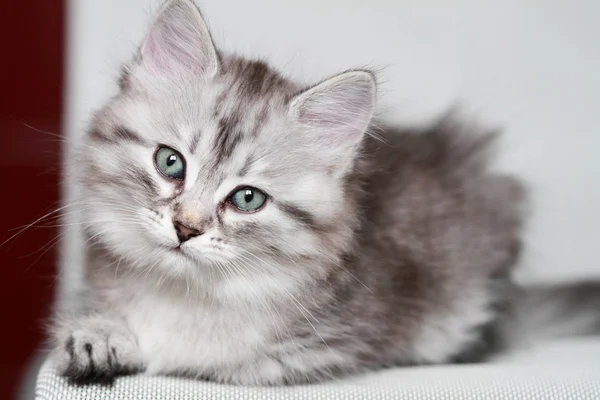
<point>245,229</point>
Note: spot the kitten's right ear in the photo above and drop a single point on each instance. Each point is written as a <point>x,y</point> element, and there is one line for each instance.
<point>179,41</point>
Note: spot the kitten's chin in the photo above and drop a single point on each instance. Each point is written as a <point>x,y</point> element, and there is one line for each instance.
<point>183,258</point>
<point>175,263</point>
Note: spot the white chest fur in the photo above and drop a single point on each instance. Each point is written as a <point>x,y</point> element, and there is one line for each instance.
<point>178,334</point>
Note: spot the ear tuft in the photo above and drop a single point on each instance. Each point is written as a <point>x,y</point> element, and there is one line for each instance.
<point>179,40</point>
<point>334,116</point>
<point>336,113</point>
<point>342,105</point>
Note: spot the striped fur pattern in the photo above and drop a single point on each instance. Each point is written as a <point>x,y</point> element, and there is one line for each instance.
<point>372,250</point>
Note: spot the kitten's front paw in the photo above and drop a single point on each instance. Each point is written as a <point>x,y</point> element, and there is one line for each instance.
<point>95,350</point>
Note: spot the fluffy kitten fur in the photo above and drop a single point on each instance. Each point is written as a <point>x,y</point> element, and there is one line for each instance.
<point>372,250</point>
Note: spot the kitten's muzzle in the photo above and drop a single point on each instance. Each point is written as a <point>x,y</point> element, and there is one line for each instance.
<point>184,232</point>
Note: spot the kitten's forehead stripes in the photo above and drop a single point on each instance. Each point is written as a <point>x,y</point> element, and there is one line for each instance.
<point>247,165</point>
<point>195,141</point>
<point>260,120</point>
<point>227,138</point>
<point>247,91</point>
<point>117,135</point>
<point>256,81</point>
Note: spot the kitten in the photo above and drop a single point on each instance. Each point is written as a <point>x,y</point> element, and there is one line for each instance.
<point>244,229</point>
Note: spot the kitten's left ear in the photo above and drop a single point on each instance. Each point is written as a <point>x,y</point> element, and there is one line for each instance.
<point>179,41</point>
<point>336,113</point>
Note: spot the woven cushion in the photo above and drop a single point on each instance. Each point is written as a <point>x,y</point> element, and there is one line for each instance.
<point>558,370</point>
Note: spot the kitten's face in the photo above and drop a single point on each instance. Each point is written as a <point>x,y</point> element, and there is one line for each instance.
<point>203,165</point>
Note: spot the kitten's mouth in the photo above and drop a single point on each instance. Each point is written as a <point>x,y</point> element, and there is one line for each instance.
<point>175,249</point>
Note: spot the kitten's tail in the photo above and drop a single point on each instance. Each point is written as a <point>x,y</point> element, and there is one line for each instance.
<point>547,312</point>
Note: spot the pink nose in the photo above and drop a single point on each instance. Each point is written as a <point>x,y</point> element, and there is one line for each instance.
<point>185,233</point>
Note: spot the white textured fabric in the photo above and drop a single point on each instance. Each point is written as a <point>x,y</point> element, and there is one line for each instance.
<point>556,371</point>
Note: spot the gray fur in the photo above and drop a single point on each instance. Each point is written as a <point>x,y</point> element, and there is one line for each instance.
<point>372,250</point>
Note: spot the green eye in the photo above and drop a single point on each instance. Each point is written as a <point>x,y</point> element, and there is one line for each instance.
<point>170,163</point>
<point>248,199</point>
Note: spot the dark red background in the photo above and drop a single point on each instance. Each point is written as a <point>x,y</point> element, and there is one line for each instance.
<point>31,74</point>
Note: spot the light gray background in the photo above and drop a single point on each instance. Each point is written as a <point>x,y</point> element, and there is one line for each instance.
<point>529,66</point>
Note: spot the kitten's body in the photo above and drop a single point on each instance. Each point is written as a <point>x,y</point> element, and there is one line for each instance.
<point>372,251</point>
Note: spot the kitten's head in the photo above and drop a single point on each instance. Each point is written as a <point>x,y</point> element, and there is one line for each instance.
<point>205,162</point>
